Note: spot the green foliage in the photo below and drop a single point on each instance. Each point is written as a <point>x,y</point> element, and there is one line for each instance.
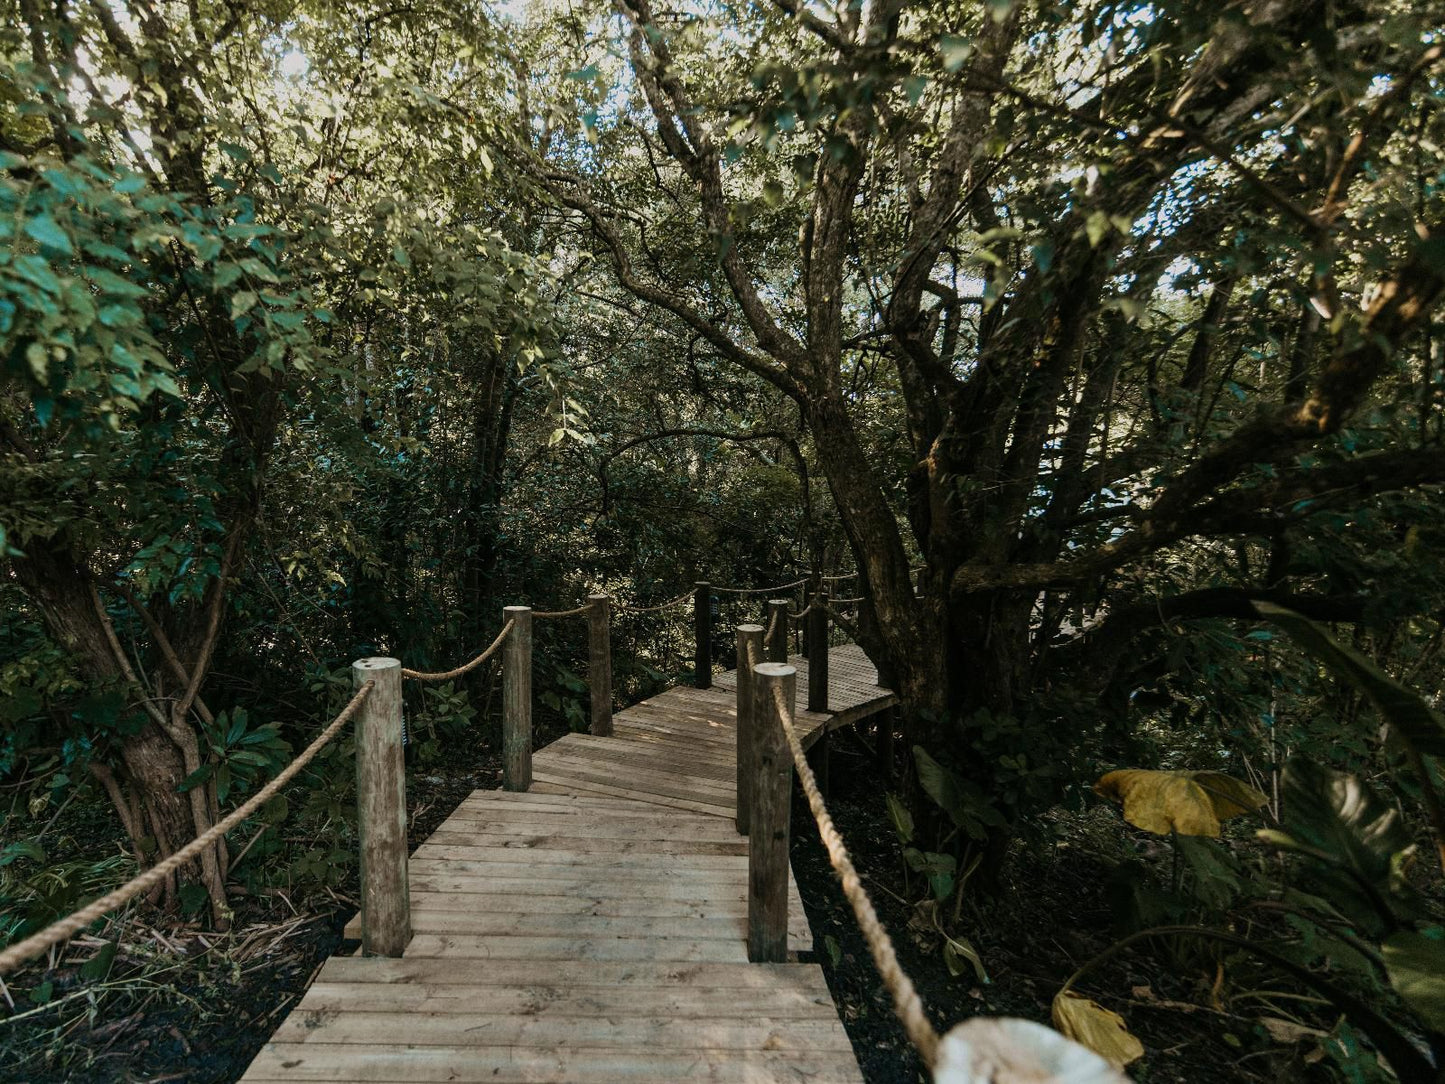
<point>239,753</point>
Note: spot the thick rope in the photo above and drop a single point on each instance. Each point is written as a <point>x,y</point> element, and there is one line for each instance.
<point>838,578</point>
<point>772,626</point>
<point>760,590</point>
<point>465,668</point>
<point>71,925</point>
<point>563,613</point>
<point>906,1002</point>
<point>624,608</point>
<point>847,601</point>
<point>804,612</point>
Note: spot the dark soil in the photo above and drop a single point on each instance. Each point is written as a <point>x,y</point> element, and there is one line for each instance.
<point>1051,915</point>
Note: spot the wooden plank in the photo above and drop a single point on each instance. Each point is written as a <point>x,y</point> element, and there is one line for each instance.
<point>419,1029</point>
<point>511,923</point>
<point>543,871</point>
<point>757,978</point>
<point>524,843</point>
<point>467,946</point>
<point>780,1001</point>
<point>572,780</point>
<point>477,1064</point>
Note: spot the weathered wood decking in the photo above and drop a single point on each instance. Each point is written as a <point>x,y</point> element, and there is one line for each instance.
<point>591,929</point>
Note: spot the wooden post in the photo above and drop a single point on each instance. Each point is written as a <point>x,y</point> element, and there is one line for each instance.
<point>769,814</point>
<point>517,700</point>
<point>818,652</point>
<point>702,624</point>
<point>884,744</point>
<point>778,626</point>
<point>381,810</point>
<point>599,666</point>
<point>747,634</point>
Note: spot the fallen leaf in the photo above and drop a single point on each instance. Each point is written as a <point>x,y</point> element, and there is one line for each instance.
<point>1190,803</point>
<point>1005,1050</point>
<point>1416,965</point>
<point>1101,1030</point>
<point>1287,1031</point>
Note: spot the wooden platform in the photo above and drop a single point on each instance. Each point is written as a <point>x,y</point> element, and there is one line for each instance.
<point>592,929</point>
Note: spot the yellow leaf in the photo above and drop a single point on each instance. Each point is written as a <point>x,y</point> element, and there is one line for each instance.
<point>1190,803</point>
<point>1101,1030</point>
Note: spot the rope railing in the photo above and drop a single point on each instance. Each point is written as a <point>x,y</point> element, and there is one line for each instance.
<point>66,928</point>
<point>574,612</point>
<point>467,667</point>
<point>906,1002</point>
<point>686,596</point>
<point>760,590</point>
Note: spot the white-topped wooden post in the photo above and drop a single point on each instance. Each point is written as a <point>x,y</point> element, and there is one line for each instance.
<point>818,651</point>
<point>517,700</point>
<point>769,815</point>
<point>777,630</point>
<point>599,666</point>
<point>747,635</point>
<point>381,810</point>
<point>702,634</point>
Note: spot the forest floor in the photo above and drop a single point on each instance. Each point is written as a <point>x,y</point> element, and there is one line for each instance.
<point>1052,914</point>
<point>182,1006</point>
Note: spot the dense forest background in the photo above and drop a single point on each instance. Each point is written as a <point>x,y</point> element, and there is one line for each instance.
<point>1101,341</point>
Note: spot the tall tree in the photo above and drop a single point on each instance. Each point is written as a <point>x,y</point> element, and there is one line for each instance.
<point>1061,230</point>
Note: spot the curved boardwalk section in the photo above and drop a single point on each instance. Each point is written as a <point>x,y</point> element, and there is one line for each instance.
<point>592,929</point>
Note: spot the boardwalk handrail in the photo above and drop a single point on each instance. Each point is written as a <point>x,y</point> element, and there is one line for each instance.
<point>771,684</point>
<point>466,667</point>
<point>67,927</point>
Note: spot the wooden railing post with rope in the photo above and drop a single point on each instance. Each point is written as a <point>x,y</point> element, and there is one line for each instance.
<point>777,637</point>
<point>702,628</point>
<point>381,810</point>
<point>773,685</point>
<point>517,700</point>
<point>599,663</point>
<point>817,618</point>
<point>750,646</point>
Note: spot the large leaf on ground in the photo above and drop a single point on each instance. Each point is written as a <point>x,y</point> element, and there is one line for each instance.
<point>1416,964</point>
<point>1101,1030</point>
<point>1350,839</point>
<point>964,803</point>
<point>1190,803</point>
<point>1405,710</point>
<point>990,1050</point>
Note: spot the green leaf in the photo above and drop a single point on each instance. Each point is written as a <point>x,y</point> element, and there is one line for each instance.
<point>1416,966</point>
<point>193,898</point>
<point>22,848</point>
<point>940,784</point>
<point>940,869</point>
<point>49,233</point>
<point>242,303</point>
<point>901,819</point>
<point>1349,839</point>
<point>196,778</point>
<point>956,50</point>
<point>98,966</point>
<point>958,951</point>
<point>1411,718</point>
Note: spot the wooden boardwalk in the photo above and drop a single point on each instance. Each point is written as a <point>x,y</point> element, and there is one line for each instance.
<point>591,929</point>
